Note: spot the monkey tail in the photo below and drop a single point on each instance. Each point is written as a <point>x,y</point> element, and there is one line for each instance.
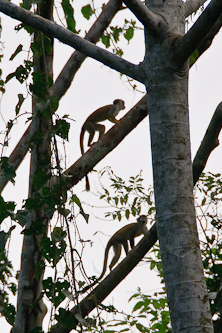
<point>81,139</point>
<point>103,272</point>
<point>82,151</point>
<point>87,183</point>
<point>105,261</point>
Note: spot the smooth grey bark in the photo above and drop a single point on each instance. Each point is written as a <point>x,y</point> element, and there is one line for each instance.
<point>63,82</point>
<point>146,16</point>
<point>167,94</point>
<point>191,6</point>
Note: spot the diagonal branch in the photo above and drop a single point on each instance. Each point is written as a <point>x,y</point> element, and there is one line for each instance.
<point>118,132</point>
<point>185,46</point>
<point>53,30</point>
<point>206,43</point>
<point>113,279</point>
<point>209,143</point>
<point>136,255</point>
<point>63,81</point>
<point>151,21</point>
<point>106,144</point>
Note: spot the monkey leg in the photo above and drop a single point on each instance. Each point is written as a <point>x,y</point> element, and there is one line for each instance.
<point>91,130</point>
<point>126,247</point>
<point>132,243</point>
<point>100,128</point>
<point>117,252</point>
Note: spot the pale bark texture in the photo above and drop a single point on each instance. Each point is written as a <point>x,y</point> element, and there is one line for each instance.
<point>164,73</point>
<point>167,88</point>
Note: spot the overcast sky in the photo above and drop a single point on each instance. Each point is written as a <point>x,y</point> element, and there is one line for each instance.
<point>94,86</point>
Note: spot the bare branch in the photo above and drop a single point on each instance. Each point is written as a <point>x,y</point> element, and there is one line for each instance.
<point>185,46</point>
<point>151,21</point>
<point>63,81</point>
<point>53,30</point>
<point>67,74</point>
<point>136,255</point>
<point>118,132</point>
<point>206,43</point>
<point>209,143</point>
<point>191,6</point>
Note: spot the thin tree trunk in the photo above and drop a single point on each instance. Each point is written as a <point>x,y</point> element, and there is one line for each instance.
<point>30,308</point>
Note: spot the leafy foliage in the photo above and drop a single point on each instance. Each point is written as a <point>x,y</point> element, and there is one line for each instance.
<point>69,15</point>
<point>87,11</point>
<point>127,198</point>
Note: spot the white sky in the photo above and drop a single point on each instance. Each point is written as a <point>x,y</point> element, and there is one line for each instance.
<point>96,85</point>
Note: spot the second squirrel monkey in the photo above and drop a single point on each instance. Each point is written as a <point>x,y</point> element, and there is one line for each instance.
<point>119,239</point>
<point>91,125</point>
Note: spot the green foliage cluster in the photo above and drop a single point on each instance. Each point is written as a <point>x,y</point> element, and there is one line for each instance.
<point>127,198</point>
<point>113,35</point>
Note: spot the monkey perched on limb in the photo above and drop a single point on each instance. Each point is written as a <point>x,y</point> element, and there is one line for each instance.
<point>119,239</point>
<point>91,125</point>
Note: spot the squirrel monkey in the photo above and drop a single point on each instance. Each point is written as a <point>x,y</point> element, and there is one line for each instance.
<point>121,237</point>
<point>91,125</point>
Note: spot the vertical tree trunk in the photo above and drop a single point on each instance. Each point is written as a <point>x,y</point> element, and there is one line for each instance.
<point>31,309</point>
<point>167,91</point>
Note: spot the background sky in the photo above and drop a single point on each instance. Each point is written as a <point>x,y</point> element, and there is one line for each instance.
<point>94,86</point>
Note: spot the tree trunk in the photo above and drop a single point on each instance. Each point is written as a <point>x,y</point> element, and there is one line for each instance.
<point>31,309</point>
<point>167,97</point>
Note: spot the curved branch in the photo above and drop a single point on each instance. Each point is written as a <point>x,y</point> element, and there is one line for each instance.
<point>185,46</point>
<point>53,30</point>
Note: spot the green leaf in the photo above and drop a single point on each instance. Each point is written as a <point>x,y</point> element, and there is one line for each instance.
<point>9,313</point>
<point>7,170</point>
<point>4,237</point>
<point>87,11</point>
<point>19,104</point>
<point>194,56</point>
<point>76,200</point>
<point>138,306</point>
<point>58,234</point>
<point>116,32</point>
<point>17,51</point>
<point>62,128</point>
<point>6,209</point>
<point>129,33</point>
<point>66,319</point>
<point>40,178</point>
<point>69,15</point>
<point>22,216</point>
<point>54,290</point>
<point>106,40</point>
